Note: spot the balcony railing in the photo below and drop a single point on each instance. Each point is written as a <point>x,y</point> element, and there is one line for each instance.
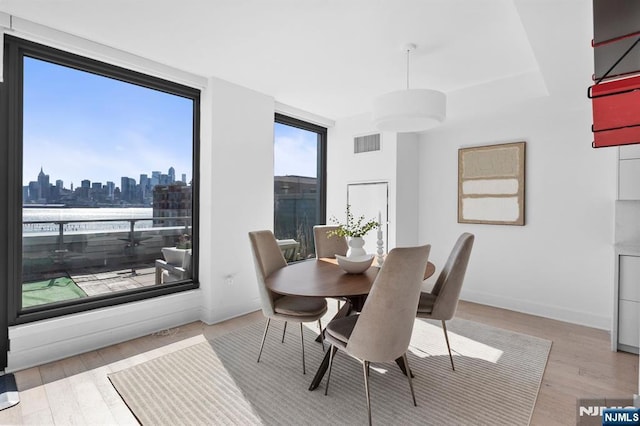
<point>63,245</point>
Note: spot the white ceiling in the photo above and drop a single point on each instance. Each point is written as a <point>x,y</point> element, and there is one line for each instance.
<point>332,57</point>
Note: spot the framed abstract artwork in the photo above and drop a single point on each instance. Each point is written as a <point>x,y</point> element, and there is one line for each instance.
<point>491,183</point>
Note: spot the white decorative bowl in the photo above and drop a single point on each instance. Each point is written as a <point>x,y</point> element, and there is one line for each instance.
<point>355,264</point>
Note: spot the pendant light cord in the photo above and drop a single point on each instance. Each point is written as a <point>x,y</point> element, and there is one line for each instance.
<point>408,51</point>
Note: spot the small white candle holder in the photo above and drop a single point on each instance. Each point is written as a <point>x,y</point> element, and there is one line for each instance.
<point>380,244</point>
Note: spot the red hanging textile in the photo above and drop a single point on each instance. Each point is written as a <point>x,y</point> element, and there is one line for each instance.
<point>616,112</point>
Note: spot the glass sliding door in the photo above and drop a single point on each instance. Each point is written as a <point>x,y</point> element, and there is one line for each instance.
<point>299,185</point>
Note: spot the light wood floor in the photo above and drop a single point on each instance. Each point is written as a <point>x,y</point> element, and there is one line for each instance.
<point>76,390</point>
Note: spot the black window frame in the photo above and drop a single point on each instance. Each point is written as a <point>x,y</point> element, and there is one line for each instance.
<point>321,158</point>
<point>11,112</point>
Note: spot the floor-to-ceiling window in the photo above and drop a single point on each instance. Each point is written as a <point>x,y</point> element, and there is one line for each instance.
<point>299,184</point>
<point>102,180</point>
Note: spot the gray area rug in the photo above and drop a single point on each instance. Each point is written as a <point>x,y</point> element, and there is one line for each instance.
<point>496,382</point>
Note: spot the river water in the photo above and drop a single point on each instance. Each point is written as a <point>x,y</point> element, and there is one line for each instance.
<point>52,215</point>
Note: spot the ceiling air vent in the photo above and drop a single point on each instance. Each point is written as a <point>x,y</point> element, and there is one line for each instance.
<point>366,143</point>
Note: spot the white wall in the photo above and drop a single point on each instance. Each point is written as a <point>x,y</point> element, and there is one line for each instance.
<point>560,264</point>
<point>407,189</point>
<point>345,167</point>
<point>628,177</point>
<point>395,163</point>
<point>239,197</point>
<point>40,342</point>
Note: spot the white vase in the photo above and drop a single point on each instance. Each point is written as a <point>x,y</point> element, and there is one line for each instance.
<point>355,247</point>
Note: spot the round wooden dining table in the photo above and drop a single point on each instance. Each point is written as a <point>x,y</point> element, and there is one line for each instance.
<point>324,278</point>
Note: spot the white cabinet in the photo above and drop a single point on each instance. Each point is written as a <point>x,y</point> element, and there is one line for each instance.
<point>628,317</point>
<point>629,176</point>
<point>630,278</point>
<point>628,152</point>
<point>627,302</point>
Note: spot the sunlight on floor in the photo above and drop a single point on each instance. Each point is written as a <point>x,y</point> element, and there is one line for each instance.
<point>428,340</point>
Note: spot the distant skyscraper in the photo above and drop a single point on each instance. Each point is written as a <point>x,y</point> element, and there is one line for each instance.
<point>144,186</point>
<point>172,175</point>
<point>59,184</point>
<point>155,178</point>
<point>34,191</point>
<point>127,189</point>
<point>83,191</point>
<point>111,187</point>
<point>43,190</point>
<point>171,201</point>
<point>184,178</point>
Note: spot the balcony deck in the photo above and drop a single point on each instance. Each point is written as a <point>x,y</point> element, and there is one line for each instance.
<point>99,258</point>
<point>98,281</point>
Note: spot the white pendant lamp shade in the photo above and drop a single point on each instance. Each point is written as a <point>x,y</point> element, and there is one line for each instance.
<point>410,110</point>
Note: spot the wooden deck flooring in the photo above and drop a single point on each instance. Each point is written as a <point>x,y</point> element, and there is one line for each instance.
<point>96,282</point>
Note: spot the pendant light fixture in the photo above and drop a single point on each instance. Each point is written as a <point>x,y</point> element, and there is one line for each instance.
<point>409,110</point>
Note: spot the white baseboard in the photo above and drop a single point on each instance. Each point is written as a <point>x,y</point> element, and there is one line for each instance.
<point>547,311</point>
<point>223,313</point>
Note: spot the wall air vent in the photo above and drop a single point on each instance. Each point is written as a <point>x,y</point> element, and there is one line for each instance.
<point>366,143</point>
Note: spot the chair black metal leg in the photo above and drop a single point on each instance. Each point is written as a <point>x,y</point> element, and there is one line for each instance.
<point>403,367</point>
<point>284,330</point>
<point>304,370</point>
<point>446,337</point>
<point>322,369</point>
<point>365,365</point>
<point>266,327</point>
<point>406,362</point>
<point>331,352</point>
<point>321,335</point>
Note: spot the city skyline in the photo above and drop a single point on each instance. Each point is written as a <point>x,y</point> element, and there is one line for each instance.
<point>116,181</point>
<point>78,124</point>
<point>130,191</point>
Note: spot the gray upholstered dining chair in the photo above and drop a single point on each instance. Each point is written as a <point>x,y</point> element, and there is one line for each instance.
<point>441,303</point>
<point>327,246</point>
<point>382,331</point>
<point>267,259</point>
